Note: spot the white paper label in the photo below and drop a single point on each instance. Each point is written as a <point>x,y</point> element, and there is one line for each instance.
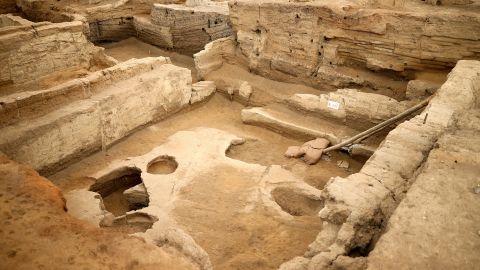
<point>333,104</point>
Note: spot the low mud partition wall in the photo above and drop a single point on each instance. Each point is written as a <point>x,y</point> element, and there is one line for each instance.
<point>9,20</point>
<point>115,29</point>
<point>103,108</point>
<point>183,28</point>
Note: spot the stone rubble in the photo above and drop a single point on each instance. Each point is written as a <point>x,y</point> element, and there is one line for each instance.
<point>311,150</point>
<point>343,164</point>
<point>245,90</point>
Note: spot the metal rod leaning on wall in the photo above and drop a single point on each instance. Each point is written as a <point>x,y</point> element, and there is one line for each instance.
<point>379,127</point>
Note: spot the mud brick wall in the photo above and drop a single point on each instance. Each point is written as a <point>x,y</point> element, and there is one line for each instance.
<point>112,29</point>
<point>118,102</point>
<point>297,39</point>
<point>185,28</point>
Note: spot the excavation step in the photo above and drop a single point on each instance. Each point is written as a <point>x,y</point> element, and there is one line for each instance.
<point>115,108</point>
<point>201,90</point>
<point>298,124</point>
<point>353,107</point>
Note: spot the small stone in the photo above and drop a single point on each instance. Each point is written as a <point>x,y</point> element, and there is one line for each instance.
<point>294,152</point>
<point>476,189</point>
<point>319,143</point>
<point>245,90</point>
<point>312,155</point>
<point>230,91</point>
<point>108,220</point>
<point>343,164</point>
<point>136,196</point>
<point>326,157</point>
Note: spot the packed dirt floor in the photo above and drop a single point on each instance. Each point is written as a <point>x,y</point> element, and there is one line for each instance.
<point>134,48</point>
<point>233,240</point>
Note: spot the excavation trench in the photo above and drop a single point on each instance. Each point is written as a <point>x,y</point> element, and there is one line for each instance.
<point>220,207</point>
<point>233,207</point>
<point>248,207</point>
<point>245,204</point>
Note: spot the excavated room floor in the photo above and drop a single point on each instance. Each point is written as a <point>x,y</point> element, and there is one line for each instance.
<point>233,239</point>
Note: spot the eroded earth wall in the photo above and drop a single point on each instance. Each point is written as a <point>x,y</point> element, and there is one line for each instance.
<point>186,29</point>
<point>306,39</point>
<point>31,51</point>
<point>103,108</point>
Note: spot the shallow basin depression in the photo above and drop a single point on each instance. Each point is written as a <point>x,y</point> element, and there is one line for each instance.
<point>162,165</point>
<point>296,203</point>
<point>112,187</point>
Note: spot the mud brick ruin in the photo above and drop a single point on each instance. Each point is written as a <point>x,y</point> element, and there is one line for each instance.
<point>241,134</point>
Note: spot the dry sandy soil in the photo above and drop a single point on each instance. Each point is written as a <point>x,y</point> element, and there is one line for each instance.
<point>35,231</point>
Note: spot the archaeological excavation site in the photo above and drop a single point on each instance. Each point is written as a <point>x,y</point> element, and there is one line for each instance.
<point>240,135</point>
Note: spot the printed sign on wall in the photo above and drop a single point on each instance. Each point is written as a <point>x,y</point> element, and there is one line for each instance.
<point>333,104</point>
